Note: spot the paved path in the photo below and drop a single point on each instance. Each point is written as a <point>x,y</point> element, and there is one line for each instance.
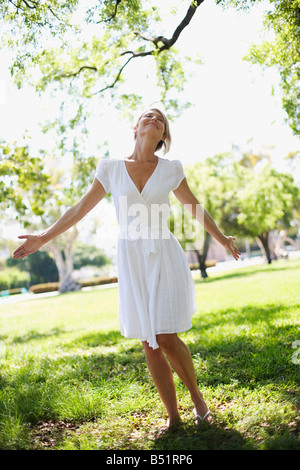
<point>221,266</point>
<point>10,299</point>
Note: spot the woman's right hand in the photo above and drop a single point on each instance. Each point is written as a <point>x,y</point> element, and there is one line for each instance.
<point>32,244</point>
<point>230,246</point>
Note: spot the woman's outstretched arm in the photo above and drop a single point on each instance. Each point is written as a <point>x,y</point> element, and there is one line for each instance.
<point>66,221</point>
<point>187,198</point>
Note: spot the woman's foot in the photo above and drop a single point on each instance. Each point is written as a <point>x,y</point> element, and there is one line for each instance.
<point>199,418</point>
<point>172,421</point>
<point>201,410</point>
<point>168,427</point>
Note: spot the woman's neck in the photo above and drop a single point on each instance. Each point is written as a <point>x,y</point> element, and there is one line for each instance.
<point>144,151</point>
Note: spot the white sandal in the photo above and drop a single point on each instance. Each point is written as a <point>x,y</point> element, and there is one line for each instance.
<point>201,418</point>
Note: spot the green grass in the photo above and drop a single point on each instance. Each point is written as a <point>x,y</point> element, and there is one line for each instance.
<point>70,381</point>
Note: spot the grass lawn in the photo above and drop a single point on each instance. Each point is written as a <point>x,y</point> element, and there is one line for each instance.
<point>68,380</point>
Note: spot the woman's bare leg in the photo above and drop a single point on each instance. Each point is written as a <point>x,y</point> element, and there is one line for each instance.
<point>163,379</point>
<point>180,359</point>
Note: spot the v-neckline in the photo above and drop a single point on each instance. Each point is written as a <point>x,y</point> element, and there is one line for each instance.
<point>140,192</point>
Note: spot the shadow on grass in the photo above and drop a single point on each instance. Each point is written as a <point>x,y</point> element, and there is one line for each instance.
<point>241,315</point>
<point>188,436</point>
<point>251,348</point>
<point>93,340</point>
<point>33,335</point>
<point>85,376</point>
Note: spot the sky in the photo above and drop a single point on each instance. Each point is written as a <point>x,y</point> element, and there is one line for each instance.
<point>232,100</point>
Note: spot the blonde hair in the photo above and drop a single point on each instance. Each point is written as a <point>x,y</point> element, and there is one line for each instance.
<point>162,143</point>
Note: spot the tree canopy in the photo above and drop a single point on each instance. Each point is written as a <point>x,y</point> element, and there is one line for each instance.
<point>24,185</point>
<point>282,51</point>
<point>85,48</point>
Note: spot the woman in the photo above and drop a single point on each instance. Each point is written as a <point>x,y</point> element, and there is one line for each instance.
<point>156,289</point>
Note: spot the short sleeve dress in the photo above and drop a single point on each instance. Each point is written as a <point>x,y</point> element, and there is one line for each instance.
<point>156,289</point>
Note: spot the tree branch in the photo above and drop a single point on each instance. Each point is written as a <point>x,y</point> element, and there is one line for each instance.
<point>184,23</point>
<point>73,74</point>
<point>34,6</point>
<point>30,6</point>
<point>114,13</point>
<point>137,33</point>
<point>166,44</point>
<point>18,6</point>
<point>117,78</point>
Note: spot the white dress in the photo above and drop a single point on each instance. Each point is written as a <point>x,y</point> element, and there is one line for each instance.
<point>156,288</point>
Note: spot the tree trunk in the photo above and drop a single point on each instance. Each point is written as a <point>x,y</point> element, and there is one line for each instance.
<point>202,256</point>
<point>65,270</point>
<point>65,263</point>
<point>263,242</point>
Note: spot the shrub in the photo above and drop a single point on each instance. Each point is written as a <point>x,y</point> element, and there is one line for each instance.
<point>47,287</point>
<point>53,286</point>
<point>12,278</point>
<point>96,281</point>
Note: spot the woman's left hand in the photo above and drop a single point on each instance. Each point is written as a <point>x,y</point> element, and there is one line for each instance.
<point>230,246</point>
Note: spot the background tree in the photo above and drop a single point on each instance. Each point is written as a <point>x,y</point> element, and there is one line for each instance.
<point>92,45</point>
<point>69,185</point>
<point>24,184</point>
<point>40,266</point>
<point>282,51</point>
<point>36,191</point>
<point>88,255</point>
<point>210,181</point>
<point>262,199</point>
<point>246,200</point>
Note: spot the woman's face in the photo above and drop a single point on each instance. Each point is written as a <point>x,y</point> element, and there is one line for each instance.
<point>151,121</point>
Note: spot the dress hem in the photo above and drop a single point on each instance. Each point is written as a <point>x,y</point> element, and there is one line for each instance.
<point>176,330</point>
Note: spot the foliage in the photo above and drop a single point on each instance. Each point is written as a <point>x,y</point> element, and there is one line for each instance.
<point>24,185</point>
<point>267,198</point>
<point>40,266</point>
<point>282,51</point>
<point>264,199</point>
<point>37,192</point>
<point>256,198</point>
<point>12,278</point>
<point>54,286</point>
<point>30,19</point>
<point>208,182</point>
<point>245,196</point>
<point>91,45</point>
<point>88,255</point>
<point>69,381</point>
